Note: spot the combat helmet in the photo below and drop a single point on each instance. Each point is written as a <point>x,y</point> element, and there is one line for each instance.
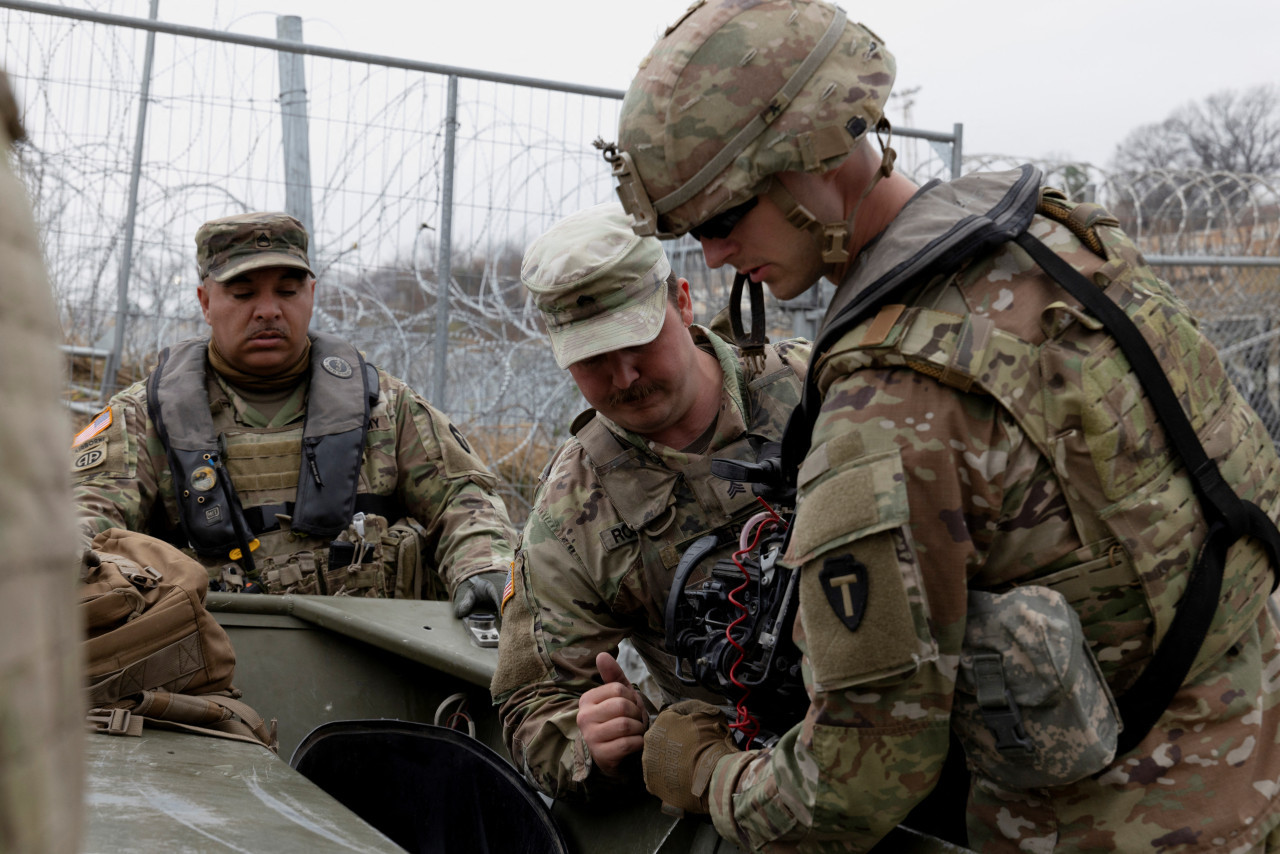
<point>735,91</point>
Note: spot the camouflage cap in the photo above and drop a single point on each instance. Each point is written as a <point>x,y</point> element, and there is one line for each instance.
<point>227,247</point>
<point>599,286</point>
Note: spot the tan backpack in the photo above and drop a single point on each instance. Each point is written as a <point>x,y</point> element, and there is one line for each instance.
<point>152,650</point>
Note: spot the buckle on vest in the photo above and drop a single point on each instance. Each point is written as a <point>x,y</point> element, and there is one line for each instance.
<point>111,721</point>
<point>999,712</point>
<point>145,578</point>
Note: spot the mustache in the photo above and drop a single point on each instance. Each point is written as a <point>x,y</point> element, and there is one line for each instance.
<point>277,330</point>
<point>632,393</point>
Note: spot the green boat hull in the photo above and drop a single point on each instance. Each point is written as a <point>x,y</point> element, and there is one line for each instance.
<point>308,661</point>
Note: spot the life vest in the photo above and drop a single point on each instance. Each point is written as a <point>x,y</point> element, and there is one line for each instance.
<point>329,448</point>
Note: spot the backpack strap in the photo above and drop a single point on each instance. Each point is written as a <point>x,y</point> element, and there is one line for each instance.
<point>206,714</point>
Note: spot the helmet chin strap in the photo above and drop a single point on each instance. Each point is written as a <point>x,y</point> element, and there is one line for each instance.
<point>833,237</point>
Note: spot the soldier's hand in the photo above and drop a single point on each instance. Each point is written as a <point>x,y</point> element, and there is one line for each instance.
<point>681,750</point>
<point>480,592</point>
<point>612,718</point>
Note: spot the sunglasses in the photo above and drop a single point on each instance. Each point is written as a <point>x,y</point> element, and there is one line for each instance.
<point>719,226</point>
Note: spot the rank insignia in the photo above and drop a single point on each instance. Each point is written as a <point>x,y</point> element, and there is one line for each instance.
<point>844,580</point>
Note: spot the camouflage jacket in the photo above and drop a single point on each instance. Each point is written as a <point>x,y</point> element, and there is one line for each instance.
<point>611,519</point>
<point>447,523</point>
<point>986,434</point>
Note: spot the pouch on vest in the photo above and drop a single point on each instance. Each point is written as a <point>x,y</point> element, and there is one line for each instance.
<point>1031,707</point>
<point>148,636</point>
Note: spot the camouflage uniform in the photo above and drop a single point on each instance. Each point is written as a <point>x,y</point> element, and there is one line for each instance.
<point>985,435</point>
<point>591,572</point>
<point>616,510</point>
<point>420,493</point>
<point>981,434</point>
<point>41,679</point>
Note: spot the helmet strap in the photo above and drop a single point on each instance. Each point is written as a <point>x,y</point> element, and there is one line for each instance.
<point>885,169</point>
<point>830,236</point>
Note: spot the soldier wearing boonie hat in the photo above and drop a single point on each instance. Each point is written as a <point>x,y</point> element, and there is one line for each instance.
<point>306,429</point>
<point>599,286</point>
<point>667,394</point>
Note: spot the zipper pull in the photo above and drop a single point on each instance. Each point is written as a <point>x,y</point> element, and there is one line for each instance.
<point>310,445</point>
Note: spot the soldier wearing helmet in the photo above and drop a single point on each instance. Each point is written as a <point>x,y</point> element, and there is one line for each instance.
<point>996,529</point>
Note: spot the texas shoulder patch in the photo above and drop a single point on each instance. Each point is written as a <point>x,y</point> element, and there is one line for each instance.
<point>844,580</point>
<point>100,422</point>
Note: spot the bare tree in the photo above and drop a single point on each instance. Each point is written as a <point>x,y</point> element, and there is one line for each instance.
<point>1230,131</point>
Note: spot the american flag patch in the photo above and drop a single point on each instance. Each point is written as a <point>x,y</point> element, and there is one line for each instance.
<point>509,589</point>
<point>100,422</point>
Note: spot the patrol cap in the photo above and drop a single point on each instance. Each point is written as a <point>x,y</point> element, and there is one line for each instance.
<point>227,247</point>
<point>599,286</point>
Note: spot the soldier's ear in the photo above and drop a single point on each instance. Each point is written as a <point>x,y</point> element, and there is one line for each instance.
<point>685,303</point>
<point>202,293</point>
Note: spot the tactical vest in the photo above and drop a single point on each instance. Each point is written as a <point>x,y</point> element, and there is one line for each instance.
<point>1073,393</point>
<point>644,492</point>
<point>235,486</point>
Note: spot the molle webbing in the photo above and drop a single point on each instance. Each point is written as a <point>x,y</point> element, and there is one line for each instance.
<point>966,351</point>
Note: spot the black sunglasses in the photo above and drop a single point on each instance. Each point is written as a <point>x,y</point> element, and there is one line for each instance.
<point>719,226</point>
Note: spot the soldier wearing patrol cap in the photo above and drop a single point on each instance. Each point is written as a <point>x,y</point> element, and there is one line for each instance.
<point>280,458</point>
<point>41,763</point>
<point>1013,450</point>
<point>631,488</point>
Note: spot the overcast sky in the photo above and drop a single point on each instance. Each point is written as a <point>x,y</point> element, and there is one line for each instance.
<point>1026,77</point>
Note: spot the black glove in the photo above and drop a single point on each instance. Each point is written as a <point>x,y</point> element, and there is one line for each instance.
<point>480,592</point>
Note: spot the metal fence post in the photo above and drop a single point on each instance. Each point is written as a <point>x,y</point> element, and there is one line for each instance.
<point>444,266</point>
<point>126,257</point>
<point>293,114</point>
<point>957,149</point>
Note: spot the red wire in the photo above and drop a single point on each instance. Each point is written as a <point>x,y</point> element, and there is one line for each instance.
<point>746,722</point>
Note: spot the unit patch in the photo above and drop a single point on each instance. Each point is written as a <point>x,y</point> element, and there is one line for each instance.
<point>339,367</point>
<point>100,422</point>
<point>92,454</point>
<point>844,580</point>
<point>457,434</point>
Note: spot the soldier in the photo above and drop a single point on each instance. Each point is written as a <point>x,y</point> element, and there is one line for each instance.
<point>623,498</point>
<point>995,528</point>
<point>41,679</point>
<point>284,461</point>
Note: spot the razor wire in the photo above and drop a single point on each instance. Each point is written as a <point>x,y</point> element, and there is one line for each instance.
<point>377,135</point>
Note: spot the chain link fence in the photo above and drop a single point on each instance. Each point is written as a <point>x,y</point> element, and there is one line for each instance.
<point>419,175</point>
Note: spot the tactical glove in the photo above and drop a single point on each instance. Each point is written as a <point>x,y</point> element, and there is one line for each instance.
<point>681,749</point>
<point>480,592</point>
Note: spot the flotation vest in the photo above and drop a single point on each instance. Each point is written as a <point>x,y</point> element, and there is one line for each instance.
<point>343,389</point>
